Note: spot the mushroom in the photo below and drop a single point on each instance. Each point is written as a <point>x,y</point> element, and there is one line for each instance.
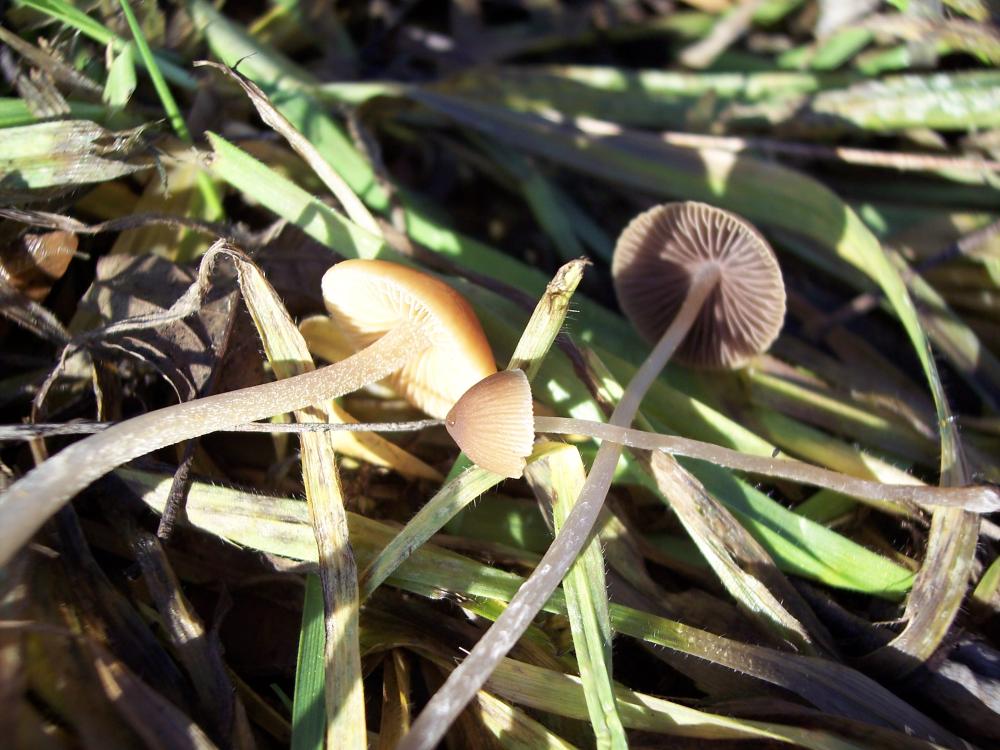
<point>405,318</point>
<point>688,274</point>
<point>707,273</point>
<point>680,268</point>
<point>368,298</point>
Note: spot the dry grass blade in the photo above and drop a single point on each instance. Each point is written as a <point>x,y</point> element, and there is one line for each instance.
<point>51,64</point>
<point>132,221</point>
<point>159,723</point>
<point>743,566</point>
<point>197,649</point>
<point>287,352</point>
<point>547,319</point>
<point>353,207</point>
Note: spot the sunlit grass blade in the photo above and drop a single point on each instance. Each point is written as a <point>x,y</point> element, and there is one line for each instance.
<point>557,480</point>
<point>288,355</point>
<point>308,714</point>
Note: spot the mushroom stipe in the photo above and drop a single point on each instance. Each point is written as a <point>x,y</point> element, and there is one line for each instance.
<point>408,326</point>
<point>36,496</point>
<point>700,280</point>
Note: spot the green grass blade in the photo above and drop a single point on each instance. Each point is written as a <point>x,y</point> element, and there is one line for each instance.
<point>308,715</point>
<point>121,81</point>
<point>174,116</point>
<point>77,19</point>
<point>210,196</point>
<point>431,518</point>
<point>557,480</point>
<point>286,199</point>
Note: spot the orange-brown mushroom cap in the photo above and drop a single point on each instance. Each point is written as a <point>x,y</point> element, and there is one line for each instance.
<point>370,297</point>
<point>493,423</point>
<point>660,252</point>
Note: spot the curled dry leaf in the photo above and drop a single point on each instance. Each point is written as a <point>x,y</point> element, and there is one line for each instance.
<point>181,350</point>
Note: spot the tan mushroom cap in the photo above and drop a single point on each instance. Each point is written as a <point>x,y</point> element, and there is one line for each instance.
<point>493,423</point>
<point>370,297</point>
<point>658,254</point>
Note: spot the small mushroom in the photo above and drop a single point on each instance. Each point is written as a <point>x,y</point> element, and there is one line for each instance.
<point>492,423</point>
<point>713,265</point>
<point>419,315</point>
<point>368,298</point>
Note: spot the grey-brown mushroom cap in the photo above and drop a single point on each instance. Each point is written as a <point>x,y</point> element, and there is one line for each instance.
<point>493,423</point>
<point>659,253</point>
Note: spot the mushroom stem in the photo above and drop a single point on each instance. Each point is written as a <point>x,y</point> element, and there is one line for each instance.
<point>26,505</point>
<point>975,499</point>
<point>463,683</point>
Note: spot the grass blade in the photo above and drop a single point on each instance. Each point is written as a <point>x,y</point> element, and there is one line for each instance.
<point>557,480</point>
<point>287,352</point>
<point>308,714</point>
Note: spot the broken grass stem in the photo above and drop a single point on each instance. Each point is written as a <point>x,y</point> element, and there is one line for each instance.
<point>978,499</point>
<point>30,501</point>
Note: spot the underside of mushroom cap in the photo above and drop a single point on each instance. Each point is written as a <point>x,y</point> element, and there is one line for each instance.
<point>368,298</point>
<point>662,250</point>
<point>493,423</point>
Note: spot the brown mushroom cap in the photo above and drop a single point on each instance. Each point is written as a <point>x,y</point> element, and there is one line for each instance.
<point>493,423</point>
<point>657,256</point>
<point>370,297</point>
